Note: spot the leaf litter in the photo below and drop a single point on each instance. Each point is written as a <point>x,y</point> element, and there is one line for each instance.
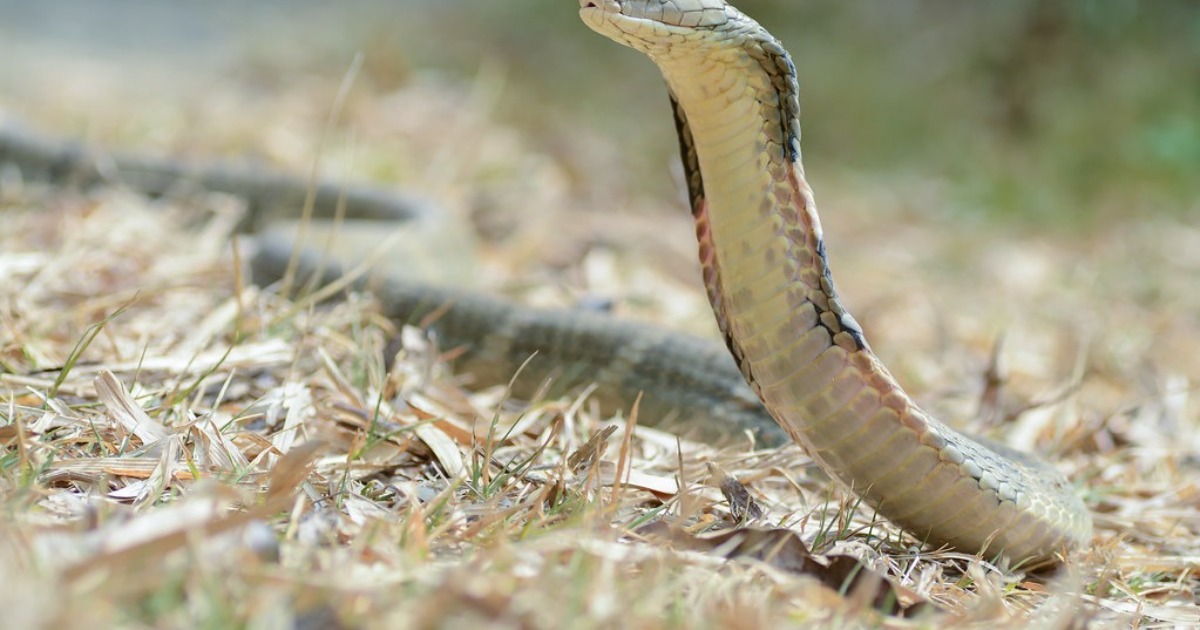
<point>178,446</point>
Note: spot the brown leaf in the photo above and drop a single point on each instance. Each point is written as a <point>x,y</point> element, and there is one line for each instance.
<point>291,470</point>
<point>784,550</point>
<point>780,548</point>
<point>741,505</point>
<point>592,450</point>
<point>868,587</point>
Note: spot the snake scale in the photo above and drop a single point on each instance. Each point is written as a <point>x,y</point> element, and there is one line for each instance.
<point>809,368</point>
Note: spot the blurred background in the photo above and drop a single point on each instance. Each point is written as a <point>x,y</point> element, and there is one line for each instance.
<point>1025,170</point>
<point>1059,113</point>
<point>1010,191</point>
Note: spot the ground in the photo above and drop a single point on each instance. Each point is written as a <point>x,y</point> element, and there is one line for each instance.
<point>180,448</point>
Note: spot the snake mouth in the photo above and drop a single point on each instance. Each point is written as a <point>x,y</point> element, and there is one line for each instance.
<point>610,6</point>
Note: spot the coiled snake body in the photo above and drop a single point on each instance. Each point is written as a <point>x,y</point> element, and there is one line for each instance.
<point>734,93</point>
<point>735,96</point>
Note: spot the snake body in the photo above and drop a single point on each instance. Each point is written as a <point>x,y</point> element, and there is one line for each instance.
<point>734,92</point>
<point>688,384</point>
<point>807,362</point>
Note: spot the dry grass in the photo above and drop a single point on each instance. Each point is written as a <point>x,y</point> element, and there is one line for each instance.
<point>178,449</point>
<point>195,455</point>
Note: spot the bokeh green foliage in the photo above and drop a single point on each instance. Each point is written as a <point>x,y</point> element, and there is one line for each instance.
<point>1060,112</point>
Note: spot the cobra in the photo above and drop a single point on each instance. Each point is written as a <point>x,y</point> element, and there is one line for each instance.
<point>734,93</point>
<point>735,99</point>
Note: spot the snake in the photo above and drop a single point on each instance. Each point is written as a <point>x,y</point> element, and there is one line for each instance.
<point>735,95</point>
<point>795,365</point>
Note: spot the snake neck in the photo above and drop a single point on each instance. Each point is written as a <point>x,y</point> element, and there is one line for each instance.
<point>761,245</point>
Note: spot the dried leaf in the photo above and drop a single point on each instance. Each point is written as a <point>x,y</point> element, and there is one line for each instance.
<point>741,504</point>
<point>125,411</point>
<point>444,449</point>
<point>592,450</point>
